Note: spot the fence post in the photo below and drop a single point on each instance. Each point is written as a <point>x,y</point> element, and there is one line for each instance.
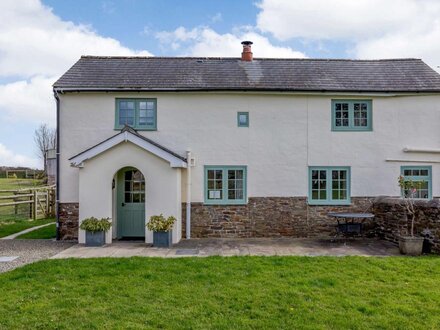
<point>34,214</point>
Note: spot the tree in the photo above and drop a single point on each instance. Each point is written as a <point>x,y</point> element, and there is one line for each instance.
<point>409,189</point>
<point>45,138</point>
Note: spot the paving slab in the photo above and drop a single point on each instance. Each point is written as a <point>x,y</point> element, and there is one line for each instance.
<point>238,247</point>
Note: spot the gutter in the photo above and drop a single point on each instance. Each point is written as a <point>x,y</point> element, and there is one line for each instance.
<point>57,189</point>
<point>243,89</point>
<point>188,195</point>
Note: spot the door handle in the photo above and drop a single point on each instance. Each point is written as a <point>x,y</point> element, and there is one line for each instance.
<point>123,204</point>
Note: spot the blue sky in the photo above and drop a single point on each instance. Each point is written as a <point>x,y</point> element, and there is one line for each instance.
<point>39,40</point>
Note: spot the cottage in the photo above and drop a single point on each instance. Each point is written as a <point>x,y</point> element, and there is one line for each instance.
<point>240,147</point>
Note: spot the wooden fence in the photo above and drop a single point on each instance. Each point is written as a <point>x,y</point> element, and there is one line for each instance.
<point>38,202</point>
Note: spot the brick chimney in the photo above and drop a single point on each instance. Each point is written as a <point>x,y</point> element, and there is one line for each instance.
<point>247,51</point>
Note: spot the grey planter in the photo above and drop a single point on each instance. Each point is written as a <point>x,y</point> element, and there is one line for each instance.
<point>411,246</point>
<point>162,239</point>
<point>95,238</point>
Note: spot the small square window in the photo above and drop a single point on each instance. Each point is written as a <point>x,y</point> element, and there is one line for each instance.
<point>243,119</point>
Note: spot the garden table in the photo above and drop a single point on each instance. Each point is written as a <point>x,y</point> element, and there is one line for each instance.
<point>350,223</point>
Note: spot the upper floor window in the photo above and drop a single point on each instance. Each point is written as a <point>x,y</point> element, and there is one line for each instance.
<point>225,184</point>
<point>329,185</point>
<point>140,114</point>
<point>418,178</point>
<point>351,115</point>
<point>243,119</point>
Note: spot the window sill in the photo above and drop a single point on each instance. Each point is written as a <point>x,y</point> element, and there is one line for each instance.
<point>227,203</point>
<point>352,130</point>
<point>329,203</point>
<point>137,129</point>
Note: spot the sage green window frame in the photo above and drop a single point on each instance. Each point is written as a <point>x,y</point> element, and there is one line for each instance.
<point>239,124</point>
<point>421,177</point>
<point>137,122</point>
<point>329,200</point>
<point>351,127</point>
<point>224,200</point>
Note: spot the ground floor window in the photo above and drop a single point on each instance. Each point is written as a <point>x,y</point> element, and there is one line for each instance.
<point>329,185</point>
<point>225,184</point>
<point>418,178</point>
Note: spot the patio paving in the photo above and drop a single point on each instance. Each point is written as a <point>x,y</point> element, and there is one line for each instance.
<point>238,247</point>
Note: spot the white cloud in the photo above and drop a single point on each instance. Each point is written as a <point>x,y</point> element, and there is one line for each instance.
<point>391,28</point>
<point>28,100</point>
<point>34,41</point>
<point>37,46</point>
<point>203,41</point>
<point>9,158</point>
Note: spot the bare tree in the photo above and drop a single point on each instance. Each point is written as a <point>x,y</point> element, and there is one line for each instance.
<point>45,139</point>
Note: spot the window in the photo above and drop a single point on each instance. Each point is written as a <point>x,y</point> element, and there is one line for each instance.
<point>137,113</point>
<point>243,119</point>
<point>421,176</point>
<point>134,187</point>
<point>225,184</point>
<point>329,185</point>
<point>351,115</point>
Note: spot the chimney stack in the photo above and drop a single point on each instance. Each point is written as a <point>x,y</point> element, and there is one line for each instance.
<point>247,51</point>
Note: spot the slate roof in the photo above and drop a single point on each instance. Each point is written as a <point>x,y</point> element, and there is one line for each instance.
<point>223,74</point>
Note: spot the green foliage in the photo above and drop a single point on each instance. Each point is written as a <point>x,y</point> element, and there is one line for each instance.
<point>93,224</point>
<point>223,293</point>
<point>160,223</point>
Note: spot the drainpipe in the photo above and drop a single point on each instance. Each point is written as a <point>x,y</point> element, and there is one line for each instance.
<point>57,189</point>
<point>188,195</point>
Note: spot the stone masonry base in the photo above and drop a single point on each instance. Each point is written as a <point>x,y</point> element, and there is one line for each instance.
<point>269,217</point>
<point>69,214</point>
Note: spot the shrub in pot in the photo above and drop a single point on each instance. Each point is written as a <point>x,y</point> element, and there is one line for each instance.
<point>95,230</point>
<point>162,230</point>
<point>410,245</point>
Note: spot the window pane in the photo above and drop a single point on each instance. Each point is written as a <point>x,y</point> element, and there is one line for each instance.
<point>341,114</point>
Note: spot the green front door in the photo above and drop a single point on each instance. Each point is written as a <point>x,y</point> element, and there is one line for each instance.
<point>131,203</point>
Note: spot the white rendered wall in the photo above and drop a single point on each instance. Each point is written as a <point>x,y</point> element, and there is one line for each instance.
<point>287,133</point>
<point>161,181</point>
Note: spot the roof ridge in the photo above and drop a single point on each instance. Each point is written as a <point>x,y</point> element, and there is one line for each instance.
<point>255,58</point>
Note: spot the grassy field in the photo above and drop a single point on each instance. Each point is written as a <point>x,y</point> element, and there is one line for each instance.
<point>19,212</point>
<point>224,293</point>
<point>47,232</point>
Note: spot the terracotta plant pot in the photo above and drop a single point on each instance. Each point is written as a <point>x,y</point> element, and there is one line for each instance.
<point>411,246</point>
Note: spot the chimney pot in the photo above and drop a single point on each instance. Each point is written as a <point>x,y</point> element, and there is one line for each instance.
<point>247,55</point>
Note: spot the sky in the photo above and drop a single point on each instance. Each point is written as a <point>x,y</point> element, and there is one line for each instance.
<point>41,39</point>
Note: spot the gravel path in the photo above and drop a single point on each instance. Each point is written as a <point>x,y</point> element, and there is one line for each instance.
<point>29,251</point>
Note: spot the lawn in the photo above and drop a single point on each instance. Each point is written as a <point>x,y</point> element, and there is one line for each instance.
<point>47,232</point>
<point>224,293</point>
<point>11,227</point>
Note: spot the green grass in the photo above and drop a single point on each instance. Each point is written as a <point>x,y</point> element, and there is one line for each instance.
<point>224,293</point>
<point>47,232</point>
<point>11,227</point>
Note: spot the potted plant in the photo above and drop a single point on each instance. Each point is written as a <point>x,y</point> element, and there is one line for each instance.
<point>95,230</point>
<point>410,245</point>
<point>162,230</point>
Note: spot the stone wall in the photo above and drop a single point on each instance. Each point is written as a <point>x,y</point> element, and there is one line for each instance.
<point>269,217</point>
<point>69,219</point>
<point>392,221</point>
